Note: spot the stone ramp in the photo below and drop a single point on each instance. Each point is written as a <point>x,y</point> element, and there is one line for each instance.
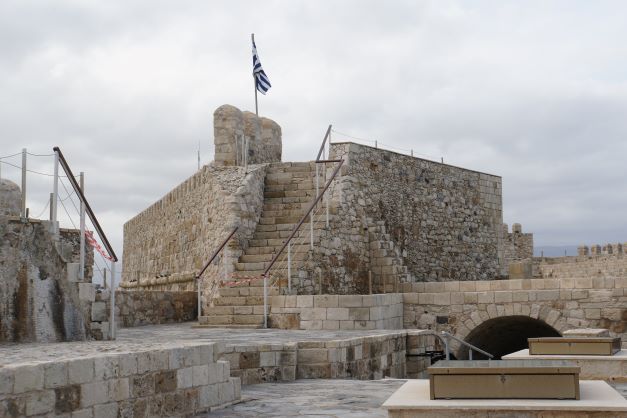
<point>289,190</point>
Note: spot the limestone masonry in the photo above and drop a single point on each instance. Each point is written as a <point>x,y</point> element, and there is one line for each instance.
<point>41,297</point>
<point>393,219</point>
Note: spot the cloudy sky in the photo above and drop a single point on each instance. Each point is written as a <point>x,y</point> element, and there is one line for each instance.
<point>533,91</point>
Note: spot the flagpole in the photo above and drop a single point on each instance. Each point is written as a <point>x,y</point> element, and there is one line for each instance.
<point>252,38</point>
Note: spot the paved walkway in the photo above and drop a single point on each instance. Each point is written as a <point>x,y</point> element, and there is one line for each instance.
<point>313,398</point>
<point>161,336</point>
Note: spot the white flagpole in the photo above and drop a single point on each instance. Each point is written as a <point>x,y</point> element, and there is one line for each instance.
<point>252,38</point>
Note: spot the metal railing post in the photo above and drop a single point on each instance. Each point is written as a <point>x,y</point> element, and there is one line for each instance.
<point>199,296</point>
<point>226,274</point>
<point>55,192</point>
<point>265,301</point>
<point>23,182</point>
<point>289,267</point>
<point>448,354</point>
<point>81,260</point>
<point>317,181</point>
<point>311,229</point>
<point>470,354</point>
<point>112,301</point>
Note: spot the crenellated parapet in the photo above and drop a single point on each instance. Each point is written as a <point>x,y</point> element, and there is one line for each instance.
<point>606,249</point>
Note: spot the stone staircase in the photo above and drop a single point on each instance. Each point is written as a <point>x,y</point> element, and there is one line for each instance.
<point>289,190</point>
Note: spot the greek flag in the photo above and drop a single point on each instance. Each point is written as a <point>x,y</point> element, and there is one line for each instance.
<point>261,79</point>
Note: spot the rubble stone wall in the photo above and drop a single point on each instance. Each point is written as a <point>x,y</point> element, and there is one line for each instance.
<point>445,222</point>
<point>41,298</point>
<point>147,307</point>
<point>517,246</point>
<point>236,132</point>
<point>166,245</point>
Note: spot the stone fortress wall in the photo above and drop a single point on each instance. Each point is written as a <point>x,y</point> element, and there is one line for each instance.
<point>517,246</point>
<point>166,245</point>
<point>41,296</point>
<point>401,218</point>
<point>609,260</point>
<point>405,218</point>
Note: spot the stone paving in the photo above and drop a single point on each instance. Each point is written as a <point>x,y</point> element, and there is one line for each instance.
<point>313,398</point>
<point>155,336</point>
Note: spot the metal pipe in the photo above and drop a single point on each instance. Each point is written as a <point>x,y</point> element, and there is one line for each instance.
<point>470,354</point>
<point>112,301</point>
<point>216,252</point>
<point>55,192</point>
<point>79,192</point>
<point>50,205</point>
<point>23,182</point>
<point>265,301</point>
<point>226,274</point>
<point>324,141</point>
<point>81,260</point>
<point>289,268</point>
<point>198,297</point>
<point>317,181</point>
<point>311,228</point>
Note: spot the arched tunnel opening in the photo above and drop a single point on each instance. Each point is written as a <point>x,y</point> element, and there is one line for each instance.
<point>505,335</point>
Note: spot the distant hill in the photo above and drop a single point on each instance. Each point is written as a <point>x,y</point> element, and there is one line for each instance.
<point>555,251</point>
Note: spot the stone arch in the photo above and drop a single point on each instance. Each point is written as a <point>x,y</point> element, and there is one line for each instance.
<point>505,334</point>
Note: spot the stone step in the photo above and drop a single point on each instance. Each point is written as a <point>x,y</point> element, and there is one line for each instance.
<point>309,193</point>
<point>233,310</point>
<point>286,206</point>
<point>229,326</point>
<point>231,320</point>
<point>241,290</point>
<point>297,255</point>
<point>238,301</point>
<point>270,214</point>
<point>287,199</point>
<point>301,185</point>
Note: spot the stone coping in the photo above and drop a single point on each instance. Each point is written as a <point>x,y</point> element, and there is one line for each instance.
<point>596,396</point>
<point>524,355</point>
<point>151,337</point>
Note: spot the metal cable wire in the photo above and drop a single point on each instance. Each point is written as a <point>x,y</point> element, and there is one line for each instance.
<point>40,155</point>
<point>12,155</point>
<point>31,171</point>
<point>43,210</point>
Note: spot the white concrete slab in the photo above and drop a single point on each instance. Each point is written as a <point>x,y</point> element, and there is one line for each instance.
<point>610,368</point>
<point>596,396</point>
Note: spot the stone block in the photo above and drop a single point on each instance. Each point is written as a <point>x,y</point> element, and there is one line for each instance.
<point>120,389</point>
<point>330,324</point>
<point>485,297</point>
<point>81,371</point>
<point>185,377</point>
<point>99,311</point>
<point>471,297</point>
<point>67,399</point>
<point>55,375</point>
<point>312,355</point>
<point>28,378</point>
<point>142,385</point>
<point>6,381</point>
<point>359,314</point>
<point>267,359</point>
<point>109,410</point>
<point>350,301</point>
<point>326,301</point>
<point>83,413</point>
<point>304,301</point>
<point>502,297</point>
<point>338,314</point>
<point>107,367</point>
<point>86,292</point>
<point>313,314</point>
<point>200,375</point>
<point>94,393</point>
<point>127,364</point>
<point>40,402</point>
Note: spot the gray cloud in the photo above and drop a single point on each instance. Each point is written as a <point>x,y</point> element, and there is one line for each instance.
<point>533,91</point>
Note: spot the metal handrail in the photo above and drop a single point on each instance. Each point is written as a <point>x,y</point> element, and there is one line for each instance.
<point>324,141</point>
<point>80,194</point>
<point>445,336</point>
<point>213,256</point>
<point>302,220</point>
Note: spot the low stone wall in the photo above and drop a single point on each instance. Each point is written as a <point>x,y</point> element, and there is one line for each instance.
<point>367,358</point>
<point>331,312</point>
<point>459,307</point>
<point>392,354</point>
<point>259,363</point>
<point>147,307</point>
<point>175,380</point>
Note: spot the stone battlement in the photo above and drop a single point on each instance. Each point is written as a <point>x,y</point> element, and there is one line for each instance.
<point>607,249</point>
